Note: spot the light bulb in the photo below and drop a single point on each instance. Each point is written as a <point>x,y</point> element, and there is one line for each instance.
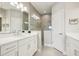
<point>18,6</point>
<point>22,9</point>
<point>16,3</point>
<point>25,8</point>
<point>21,5</point>
<point>12,3</point>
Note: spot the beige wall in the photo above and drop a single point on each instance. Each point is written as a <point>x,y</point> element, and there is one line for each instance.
<point>46,21</point>
<point>35,24</point>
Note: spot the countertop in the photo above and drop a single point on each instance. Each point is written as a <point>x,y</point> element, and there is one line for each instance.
<point>74,35</point>
<point>5,40</point>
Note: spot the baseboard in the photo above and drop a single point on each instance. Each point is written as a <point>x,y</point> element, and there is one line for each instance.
<point>64,53</point>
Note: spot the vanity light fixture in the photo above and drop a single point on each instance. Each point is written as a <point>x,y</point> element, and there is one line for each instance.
<point>35,17</point>
<point>16,3</point>
<point>25,8</point>
<point>22,9</point>
<point>19,6</point>
<point>12,3</point>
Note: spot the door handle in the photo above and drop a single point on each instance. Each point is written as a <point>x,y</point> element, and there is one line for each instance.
<point>60,33</point>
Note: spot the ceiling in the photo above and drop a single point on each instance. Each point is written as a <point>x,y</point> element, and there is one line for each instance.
<point>43,7</point>
<point>7,5</point>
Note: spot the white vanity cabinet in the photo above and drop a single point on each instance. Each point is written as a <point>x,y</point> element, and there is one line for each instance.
<point>24,45</point>
<point>33,42</point>
<point>27,46</point>
<point>72,46</point>
<point>9,49</point>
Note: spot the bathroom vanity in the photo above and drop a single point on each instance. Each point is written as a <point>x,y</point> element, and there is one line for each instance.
<point>72,43</point>
<point>14,21</point>
<point>19,45</point>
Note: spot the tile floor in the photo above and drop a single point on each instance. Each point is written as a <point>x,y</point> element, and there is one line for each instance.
<point>47,51</point>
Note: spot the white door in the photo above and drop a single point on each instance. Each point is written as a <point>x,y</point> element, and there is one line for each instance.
<point>58,30</point>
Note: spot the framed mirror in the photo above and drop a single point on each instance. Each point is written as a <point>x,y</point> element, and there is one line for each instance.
<point>13,18</point>
<point>35,23</point>
<point>5,17</point>
<point>0,24</point>
<point>4,21</point>
<point>25,25</point>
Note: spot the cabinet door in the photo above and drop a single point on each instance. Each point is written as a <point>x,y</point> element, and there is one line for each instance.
<point>23,47</point>
<point>33,44</point>
<point>23,50</point>
<point>8,48</point>
<point>28,46</point>
<point>29,49</point>
<point>26,49</point>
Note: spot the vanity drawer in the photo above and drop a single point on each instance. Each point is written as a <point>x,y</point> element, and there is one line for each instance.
<point>11,53</point>
<point>8,47</point>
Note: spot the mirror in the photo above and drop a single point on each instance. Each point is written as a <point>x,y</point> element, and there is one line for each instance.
<point>4,21</point>
<point>0,24</point>
<point>35,23</point>
<point>25,21</point>
<point>5,17</point>
<point>18,16</point>
<point>13,17</point>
